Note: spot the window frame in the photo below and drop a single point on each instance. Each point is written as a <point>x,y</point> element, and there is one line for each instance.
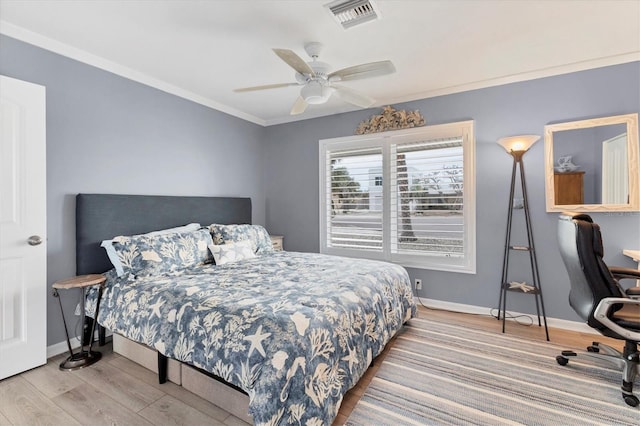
<point>465,129</point>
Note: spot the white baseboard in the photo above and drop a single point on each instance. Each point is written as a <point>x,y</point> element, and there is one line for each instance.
<point>61,347</point>
<point>58,348</point>
<point>481,310</point>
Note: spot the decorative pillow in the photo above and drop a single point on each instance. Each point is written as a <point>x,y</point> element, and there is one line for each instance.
<point>113,256</point>
<point>232,252</point>
<point>146,255</point>
<point>259,237</point>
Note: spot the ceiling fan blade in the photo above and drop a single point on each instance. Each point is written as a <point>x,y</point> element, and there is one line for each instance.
<point>372,69</point>
<point>353,97</point>
<point>294,61</point>
<point>267,86</point>
<point>299,106</point>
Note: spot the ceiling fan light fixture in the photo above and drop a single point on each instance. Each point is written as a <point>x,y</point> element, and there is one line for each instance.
<point>315,93</point>
<point>318,82</point>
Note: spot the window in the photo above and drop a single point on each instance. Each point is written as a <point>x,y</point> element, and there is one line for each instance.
<point>406,196</point>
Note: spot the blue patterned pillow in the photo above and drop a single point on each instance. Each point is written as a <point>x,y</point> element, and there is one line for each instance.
<point>232,252</point>
<point>113,256</point>
<point>146,255</point>
<point>258,236</point>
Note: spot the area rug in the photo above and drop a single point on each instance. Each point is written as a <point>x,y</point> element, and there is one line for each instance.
<point>436,373</point>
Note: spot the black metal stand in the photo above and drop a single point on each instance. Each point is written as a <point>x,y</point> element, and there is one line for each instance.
<point>505,286</point>
<point>82,358</point>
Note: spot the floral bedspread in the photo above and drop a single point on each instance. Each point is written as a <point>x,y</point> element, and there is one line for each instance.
<point>295,331</point>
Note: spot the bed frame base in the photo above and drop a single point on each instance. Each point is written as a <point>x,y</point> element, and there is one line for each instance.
<point>147,357</point>
<point>229,398</point>
<point>163,362</point>
<point>216,392</point>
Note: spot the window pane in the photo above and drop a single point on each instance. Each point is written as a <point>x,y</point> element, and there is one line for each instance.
<point>405,196</point>
<point>355,216</point>
<point>427,212</point>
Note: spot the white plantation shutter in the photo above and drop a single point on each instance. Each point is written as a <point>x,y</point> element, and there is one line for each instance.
<point>427,180</point>
<point>354,216</point>
<point>406,196</point>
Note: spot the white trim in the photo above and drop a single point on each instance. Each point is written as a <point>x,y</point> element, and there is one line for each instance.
<point>63,49</point>
<point>482,84</point>
<point>47,43</point>
<point>463,129</point>
<point>525,76</point>
<point>61,347</point>
<point>481,310</point>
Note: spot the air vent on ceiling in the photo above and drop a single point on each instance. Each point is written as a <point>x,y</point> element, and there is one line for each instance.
<point>350,13</point>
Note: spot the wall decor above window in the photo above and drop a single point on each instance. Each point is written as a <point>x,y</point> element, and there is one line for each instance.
<point>390,119</point>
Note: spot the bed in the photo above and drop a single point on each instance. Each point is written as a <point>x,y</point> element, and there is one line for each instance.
<point>294,331</point>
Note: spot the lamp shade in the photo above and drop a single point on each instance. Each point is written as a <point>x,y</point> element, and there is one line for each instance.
<point>520,143</point>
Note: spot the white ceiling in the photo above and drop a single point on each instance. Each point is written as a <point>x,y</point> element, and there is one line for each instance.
<point>202,50</point>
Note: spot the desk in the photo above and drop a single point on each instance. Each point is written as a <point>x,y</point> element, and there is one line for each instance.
<point>635,255</point>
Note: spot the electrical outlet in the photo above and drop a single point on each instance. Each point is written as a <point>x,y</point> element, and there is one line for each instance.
<point>418,283</point>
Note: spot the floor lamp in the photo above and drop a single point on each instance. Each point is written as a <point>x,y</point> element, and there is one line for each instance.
<point>517,146</point>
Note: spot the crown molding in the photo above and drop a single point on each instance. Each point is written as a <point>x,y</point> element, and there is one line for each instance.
<point>63,49</point>
<point>483,84</point>
<point>526,76</point>
<point>85,57</point>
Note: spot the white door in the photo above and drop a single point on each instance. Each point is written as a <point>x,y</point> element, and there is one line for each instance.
<point>615,171</point>
<point>23,261</point>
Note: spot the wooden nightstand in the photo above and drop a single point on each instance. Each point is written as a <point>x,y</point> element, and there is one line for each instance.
<point>278,242</point>
<point>81,358</point>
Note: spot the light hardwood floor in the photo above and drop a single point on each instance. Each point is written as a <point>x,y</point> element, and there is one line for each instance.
<point>116,391</point>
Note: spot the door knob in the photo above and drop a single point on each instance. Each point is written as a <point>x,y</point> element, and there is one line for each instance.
<point>34,240</point>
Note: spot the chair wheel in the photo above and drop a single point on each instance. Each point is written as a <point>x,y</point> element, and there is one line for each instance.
<point>563,361</point>
<point>631,400</point>
<point>593,349</point>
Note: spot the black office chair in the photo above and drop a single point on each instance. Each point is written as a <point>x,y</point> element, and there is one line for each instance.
<point>598,298</point>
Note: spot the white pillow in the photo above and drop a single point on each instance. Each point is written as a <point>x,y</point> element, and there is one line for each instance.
<point>232,252</point>
<point>113,256</point>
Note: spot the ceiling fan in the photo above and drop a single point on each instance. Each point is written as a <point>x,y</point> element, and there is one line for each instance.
<point>319,84</point>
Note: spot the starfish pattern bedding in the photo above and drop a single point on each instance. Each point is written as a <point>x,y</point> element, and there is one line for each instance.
<point>295,331</point>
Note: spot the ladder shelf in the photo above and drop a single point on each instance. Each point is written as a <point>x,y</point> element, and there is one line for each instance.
<point>507,285</point>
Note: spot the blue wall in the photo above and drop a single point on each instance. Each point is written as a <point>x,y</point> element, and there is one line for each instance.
<point>291,170</point>
<point>108,134</point>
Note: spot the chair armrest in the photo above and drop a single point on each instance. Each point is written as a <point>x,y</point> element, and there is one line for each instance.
<point>627,273</point>
<point>622,273</point>
<point>633,292</point>
<point>600,314</point>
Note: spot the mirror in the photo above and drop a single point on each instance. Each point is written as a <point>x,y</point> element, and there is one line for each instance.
<point>592,165</point>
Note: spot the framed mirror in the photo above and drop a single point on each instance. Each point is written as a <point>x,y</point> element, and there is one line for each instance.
<point>592,165</point>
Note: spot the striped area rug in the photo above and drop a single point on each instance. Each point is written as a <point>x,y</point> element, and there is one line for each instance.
<point>437,373</point>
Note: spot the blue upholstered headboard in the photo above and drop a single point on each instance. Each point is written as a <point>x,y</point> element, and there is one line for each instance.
<point>104,216</point>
